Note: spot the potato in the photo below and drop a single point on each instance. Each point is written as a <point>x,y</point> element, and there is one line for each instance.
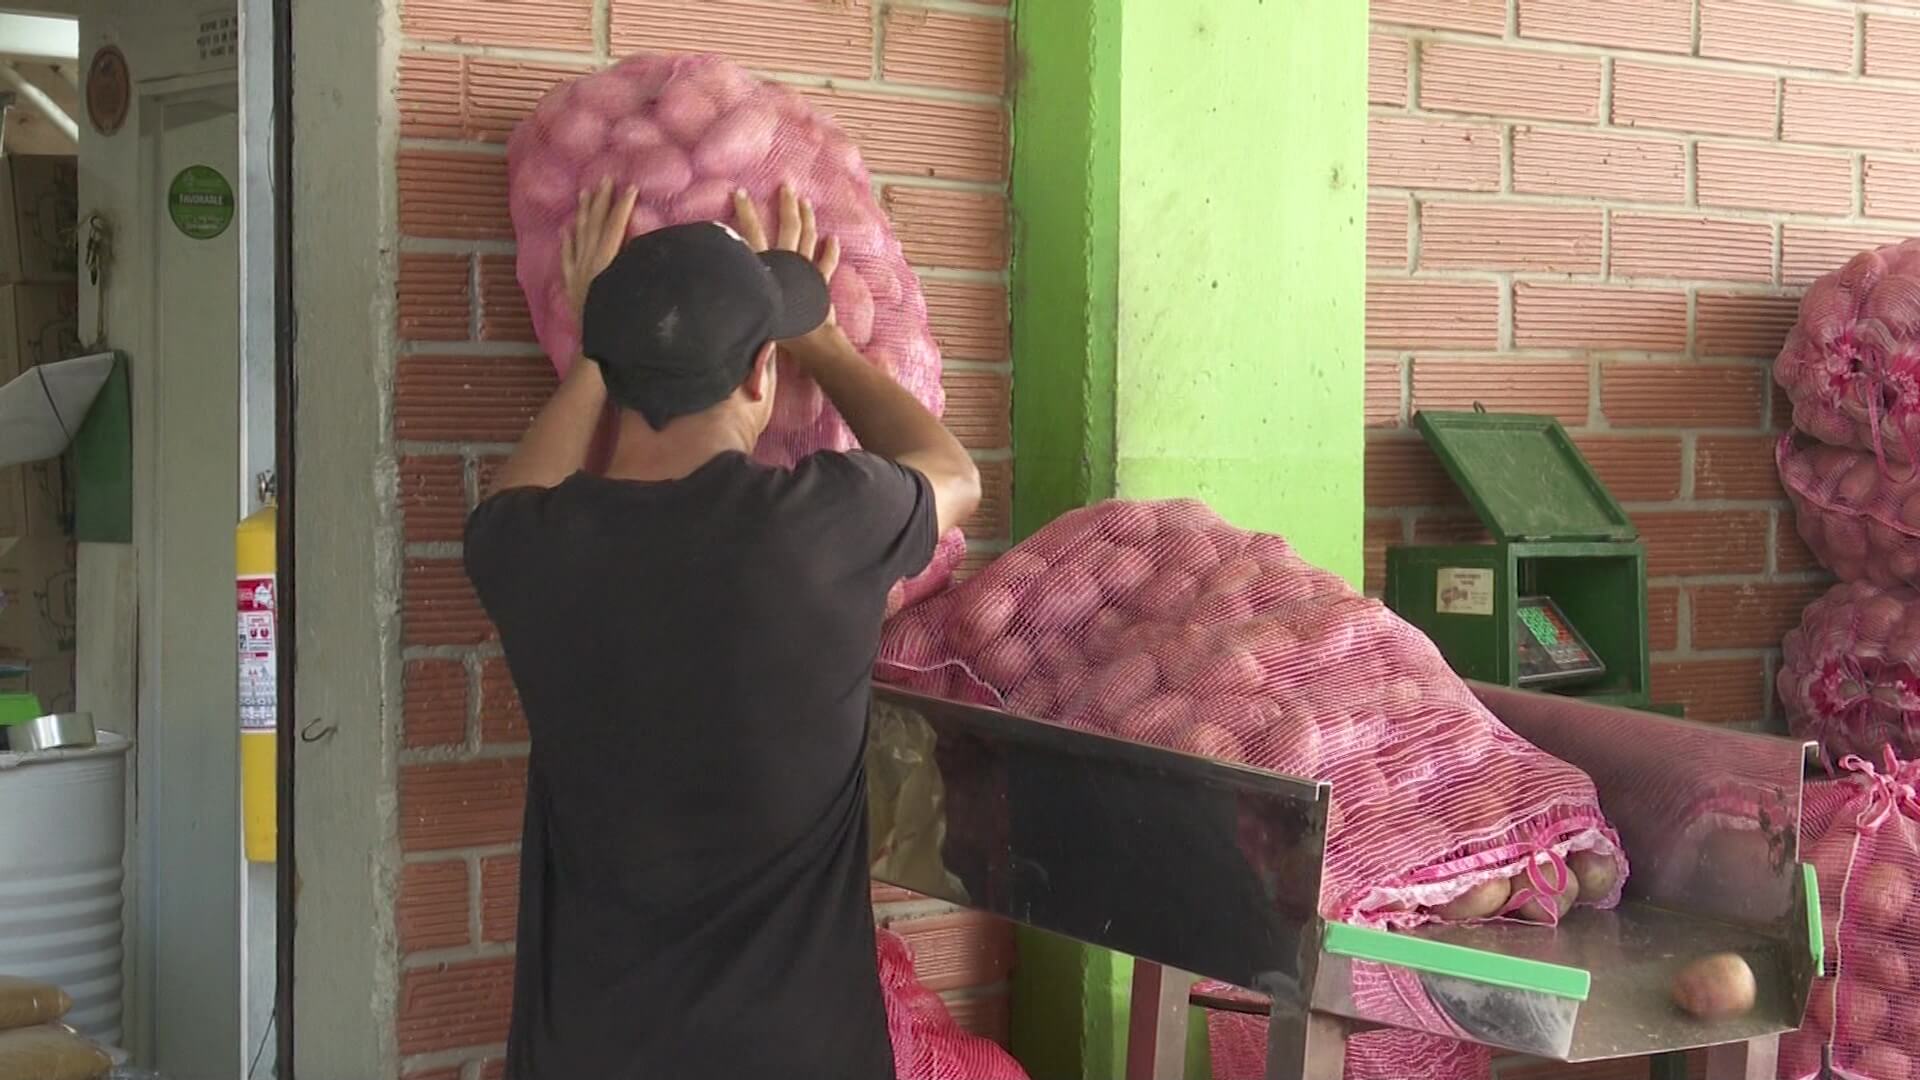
<point>1718,987</point>
<point>1064,599</point>
<point>1858,483</point>
<point>1211,741</point>
<point>1883,1061</point>
<point>1483,901</point>
<point>662,172</point>
<point>1005,663</point>
<point>685,110</point>
<point>578,133</point>
<point>1161,719</point>
<point>1123,571</point>
<point>983,621</point>
<point>1887,969</point>
<point>1034,698</point>
<point>1903,1016</point>
<point>1121,686</point>
<point>1882,896</point>
<point>910,641</point>
<point>1860,1014</point>
<point>1233,671</point>
<point>1103,635</point>
<point>1535,909</point>
<point>1166,595</point>
<point>737,141</point>
<point>853,305</point>
<point>1597,875</point>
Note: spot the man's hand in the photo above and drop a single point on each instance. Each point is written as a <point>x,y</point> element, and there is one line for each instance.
<point>885,418</point>
<point>798,233</point>
<point>599,231</point>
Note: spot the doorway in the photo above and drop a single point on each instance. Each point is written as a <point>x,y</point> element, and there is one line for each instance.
<point>167,220</point>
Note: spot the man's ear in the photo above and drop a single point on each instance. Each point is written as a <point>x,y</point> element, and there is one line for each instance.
<point>761,378</point>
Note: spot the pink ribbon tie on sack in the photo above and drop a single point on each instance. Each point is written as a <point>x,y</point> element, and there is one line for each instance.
<point>1890,792</point>
<point>1539,886</point>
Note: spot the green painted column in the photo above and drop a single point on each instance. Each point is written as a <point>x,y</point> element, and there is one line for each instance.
<point>1189,199</point>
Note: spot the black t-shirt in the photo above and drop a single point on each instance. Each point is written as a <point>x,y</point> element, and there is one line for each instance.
<point>693,658</point>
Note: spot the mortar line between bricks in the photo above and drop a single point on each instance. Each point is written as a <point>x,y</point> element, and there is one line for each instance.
<point>459,755</point>
<point>1686,61</point>
<point>475,898</point>
<point>431,448</point>
<point>471,741</point>
<point>603,30</point>
<point>1859,42</point>
<point>1643,283</point>
<point>428,959</point>
<point>1751,577</point>
<point>1692,317</point>
<point>1002,12</point>
<point>447,1059</point>
<point>877,49</point>
<point>471,851</point>
<point>1651,207</point>
<point>476,320</point>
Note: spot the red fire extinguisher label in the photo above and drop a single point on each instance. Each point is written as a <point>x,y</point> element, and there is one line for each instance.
<point>258,692</point>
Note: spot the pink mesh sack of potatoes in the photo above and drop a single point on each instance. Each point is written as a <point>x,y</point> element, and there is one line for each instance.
<point>1851,365</point>
<point>1862,834</point>
<point>688,131</point>
<point>927,1042</point>
<point>1850,672</point>
<point>1160,623</point>
<point>1860,517</point>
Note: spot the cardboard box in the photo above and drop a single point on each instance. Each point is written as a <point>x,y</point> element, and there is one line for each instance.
<point>39,218</point>
<point>38,597</point>
<point>50,678</point>
<point>38,323</point>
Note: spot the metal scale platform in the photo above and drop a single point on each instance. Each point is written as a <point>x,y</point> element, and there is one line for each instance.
<point>1208,870</point>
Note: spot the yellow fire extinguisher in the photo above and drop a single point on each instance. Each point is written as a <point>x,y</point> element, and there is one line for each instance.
<point>254,552</point>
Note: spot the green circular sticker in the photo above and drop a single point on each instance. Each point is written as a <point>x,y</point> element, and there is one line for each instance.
<point>200,201</point>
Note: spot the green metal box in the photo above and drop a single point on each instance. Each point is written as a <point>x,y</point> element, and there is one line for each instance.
<point>1557,534</point>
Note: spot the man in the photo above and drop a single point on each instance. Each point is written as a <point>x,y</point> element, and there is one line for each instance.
<point>691,635</point>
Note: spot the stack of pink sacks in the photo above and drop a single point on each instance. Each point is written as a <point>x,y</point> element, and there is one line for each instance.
<point>1851,466</point>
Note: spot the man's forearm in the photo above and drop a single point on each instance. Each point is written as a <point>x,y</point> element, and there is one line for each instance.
<point>556,445</point>
<point>886,419</point>
<point>889,421</point>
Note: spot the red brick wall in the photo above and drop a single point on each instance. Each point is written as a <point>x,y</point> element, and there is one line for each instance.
<point>922,89</point>
<point>1604,211</point>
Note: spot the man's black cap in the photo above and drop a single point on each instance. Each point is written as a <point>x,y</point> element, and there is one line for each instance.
<point>678,317</point>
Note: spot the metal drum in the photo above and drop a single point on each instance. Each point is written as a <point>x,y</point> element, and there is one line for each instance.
<point>62,840</point>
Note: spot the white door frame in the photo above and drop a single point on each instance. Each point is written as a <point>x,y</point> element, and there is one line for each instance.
<point>157,832</point>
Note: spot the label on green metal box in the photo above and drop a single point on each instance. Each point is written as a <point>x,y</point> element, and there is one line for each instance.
<point>1463,591</point>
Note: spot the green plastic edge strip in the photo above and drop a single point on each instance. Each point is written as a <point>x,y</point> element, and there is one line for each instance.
<point>1816,931</point>
<point>1457,961</point>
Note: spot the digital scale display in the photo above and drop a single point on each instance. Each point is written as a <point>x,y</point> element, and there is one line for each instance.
<point>1551,652</point>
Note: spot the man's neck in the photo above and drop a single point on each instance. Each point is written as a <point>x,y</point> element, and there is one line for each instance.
<point>686,444</point>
